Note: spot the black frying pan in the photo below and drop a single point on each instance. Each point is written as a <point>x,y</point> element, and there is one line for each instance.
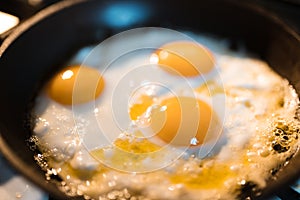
<point>43,43</point>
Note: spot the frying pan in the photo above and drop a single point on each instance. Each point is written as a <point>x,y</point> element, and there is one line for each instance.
<point>40,45</point>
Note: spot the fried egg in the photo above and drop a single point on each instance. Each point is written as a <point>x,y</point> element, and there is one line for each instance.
<point>152,111</point>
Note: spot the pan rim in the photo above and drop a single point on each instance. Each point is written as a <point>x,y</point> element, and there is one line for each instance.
<point>67,3</point>
<point>39,16</point>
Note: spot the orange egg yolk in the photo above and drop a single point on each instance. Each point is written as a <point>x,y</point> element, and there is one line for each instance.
<point>187,119</point>
<point>184,58</point>
<point>180,121</point>
<point>139,108</point>
<point>76,85</point>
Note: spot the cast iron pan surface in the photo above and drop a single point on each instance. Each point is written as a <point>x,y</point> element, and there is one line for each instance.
<point>39,46</point>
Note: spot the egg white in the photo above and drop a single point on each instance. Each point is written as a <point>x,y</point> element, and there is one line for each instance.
<point>246,105</point>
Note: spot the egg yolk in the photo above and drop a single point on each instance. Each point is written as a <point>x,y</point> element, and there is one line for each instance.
<point>76,85</point>
<point>184,58</point>
<point>187,121</point>
<point>137,109</point>
<point>210,177</point>
<point>129,154</point>
<point>180,121</point>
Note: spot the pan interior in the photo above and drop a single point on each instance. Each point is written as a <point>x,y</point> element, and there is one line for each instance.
<point>270,39</point>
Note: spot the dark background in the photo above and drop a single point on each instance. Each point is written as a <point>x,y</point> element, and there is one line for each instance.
<point>288,10</point>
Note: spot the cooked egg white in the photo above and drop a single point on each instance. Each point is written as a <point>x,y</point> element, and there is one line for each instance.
<point>162,117</point>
